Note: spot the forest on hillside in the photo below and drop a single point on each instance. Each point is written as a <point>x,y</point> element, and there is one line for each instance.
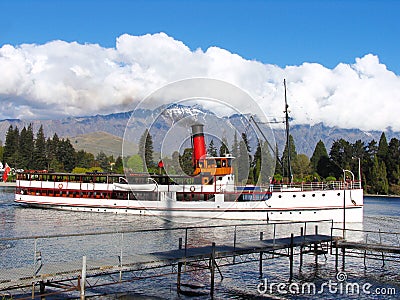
<point>377,163</point>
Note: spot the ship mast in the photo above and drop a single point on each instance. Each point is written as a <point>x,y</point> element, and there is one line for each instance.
<point>286,111</point>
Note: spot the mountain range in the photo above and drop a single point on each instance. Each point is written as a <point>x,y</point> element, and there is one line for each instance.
<point>105,132</point>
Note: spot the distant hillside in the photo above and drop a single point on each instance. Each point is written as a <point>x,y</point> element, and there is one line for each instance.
<point>101,141</point>
<point>105,132</point>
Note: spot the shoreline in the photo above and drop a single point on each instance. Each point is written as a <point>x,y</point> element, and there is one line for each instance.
<point>383,196</point>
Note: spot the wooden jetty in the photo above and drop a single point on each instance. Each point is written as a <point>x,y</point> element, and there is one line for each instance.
<point>81,275</point>
<point>44,278</point>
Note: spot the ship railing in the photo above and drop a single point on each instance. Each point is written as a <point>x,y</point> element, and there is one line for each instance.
<point>316,186</point>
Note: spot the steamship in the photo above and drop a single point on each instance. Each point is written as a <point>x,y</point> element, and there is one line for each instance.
<point>209,193</point>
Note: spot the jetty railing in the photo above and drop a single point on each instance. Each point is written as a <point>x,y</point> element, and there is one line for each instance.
<point>33,259</point>
<point>377,245</point>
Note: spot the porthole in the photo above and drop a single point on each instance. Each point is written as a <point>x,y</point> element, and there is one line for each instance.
<point>299,212</point>
<point>280,196</point>
<point>323,195</point>
<point>280,212</point>
<point>313,195</point>
<point>338,194</point>
<point>294,196</point>
<point>304,195</point>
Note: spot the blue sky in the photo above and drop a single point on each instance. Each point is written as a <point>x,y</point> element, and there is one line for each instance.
<point>85,57</point>
<point>274,32</point>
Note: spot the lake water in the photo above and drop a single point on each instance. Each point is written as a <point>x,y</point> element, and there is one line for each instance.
<point>240,281</point>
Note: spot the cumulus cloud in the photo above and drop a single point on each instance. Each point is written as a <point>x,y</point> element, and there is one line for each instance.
<point>59,79</point>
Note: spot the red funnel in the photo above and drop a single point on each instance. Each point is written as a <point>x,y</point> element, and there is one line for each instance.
<point>199,146</point>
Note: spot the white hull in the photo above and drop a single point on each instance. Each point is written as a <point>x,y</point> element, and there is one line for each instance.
<point>281,206</point>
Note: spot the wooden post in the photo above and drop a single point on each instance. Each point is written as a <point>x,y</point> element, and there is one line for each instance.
<point>291,258</point>
<point>365,251</point>
<point>234,245</point>
<point>120,256</point>
<point>186,241</point>
<point>301,247</point>
<point>336,255</point>
<point>380,242</point>
<point>212,267</point>
<point>42,289</point>
<point>343,257</point>
<point>83,276</point>
<point>261,255</point>
<point>273,243</point>
<point>316,247</point>
<point>178,280</point>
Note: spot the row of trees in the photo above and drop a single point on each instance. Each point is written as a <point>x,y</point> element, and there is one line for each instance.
<point>377,162</point>
<point>23,150</point>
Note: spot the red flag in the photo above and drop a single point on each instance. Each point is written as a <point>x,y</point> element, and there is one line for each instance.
<point>7,170</point>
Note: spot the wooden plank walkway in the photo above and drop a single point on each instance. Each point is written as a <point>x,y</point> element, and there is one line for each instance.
<point>25,277</point>
<point>368,246</point>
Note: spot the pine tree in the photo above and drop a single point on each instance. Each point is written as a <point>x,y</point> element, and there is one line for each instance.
<point>223,150</point>
<point>235,146</point>
<point>293,155</point>
<point>368,160</point>
<point>175,167</point>
<point>243,163</point>
<point>235,154</point>
<point>379,183</point>
<point>149,151</point>
<point>11,147</point>
<point>103,161</point>
<point>211,149</point>
<point>257,162</point>
<point>278,163</point>
<point>51,150</point>
<point>146,150</point>
<point>340,156</point>
<point>65,155</point>
<point>185,161</point>
<point>319,152</point>
<point>383,148</point>
<point>39,153</point>
<point>26,148</point>
<point>142,145</point>
<point>301,166</point>
<point>119,166</point>
<point>267,165</point>
<point>1,151</point>
<point>393,161</point>
<point>84,159</point>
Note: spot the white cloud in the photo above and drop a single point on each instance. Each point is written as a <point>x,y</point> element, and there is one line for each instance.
<point>59,78</point>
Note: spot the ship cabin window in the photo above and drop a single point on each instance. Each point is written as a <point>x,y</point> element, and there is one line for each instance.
<point>218,163</point>
<point>194,197</point>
